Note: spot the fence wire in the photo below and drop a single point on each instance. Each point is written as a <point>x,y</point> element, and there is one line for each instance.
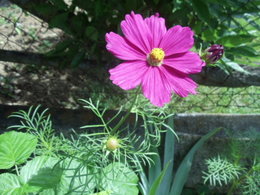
<point>21,31</point>
<point>216,99</point>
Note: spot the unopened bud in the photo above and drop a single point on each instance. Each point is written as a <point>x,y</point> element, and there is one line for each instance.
<point>214,53</point>
<point>112,143</point>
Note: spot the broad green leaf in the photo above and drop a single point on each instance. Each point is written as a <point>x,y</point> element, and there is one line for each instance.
<point>15,148</point>
<point>244,51</point>
<point>77,176</point>
<point>48,192</point>
<point>33,166</point>
<point>45,9</point>
<point>202,10</point>
<point>11,184</point>
<point>183,170</point>
<point>233,65</point>
<point>92,33</point>
<point>119,179</point>
<point>48,174</point>
<point>48,177</point>
<point>60,21</point>
<point>102,193</point>
<point>39,172</point>
<point>235,40</point>
<point>209,35</point>
<point>156,1</point>
<point>198,27</point>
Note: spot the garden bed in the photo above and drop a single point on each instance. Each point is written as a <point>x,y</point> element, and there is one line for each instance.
<point>189,127</point>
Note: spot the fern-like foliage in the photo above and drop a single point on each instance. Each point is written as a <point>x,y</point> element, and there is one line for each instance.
<point>251,185</point>
<point>38,123</point>
<point>220,171</point>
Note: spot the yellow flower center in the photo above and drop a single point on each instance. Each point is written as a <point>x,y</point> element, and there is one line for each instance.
<point>156,57</point>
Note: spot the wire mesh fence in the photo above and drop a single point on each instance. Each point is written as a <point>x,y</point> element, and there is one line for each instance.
<point>21,31</point>
<point>222,100</point>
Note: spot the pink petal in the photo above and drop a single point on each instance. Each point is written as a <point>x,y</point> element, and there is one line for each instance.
<point>137,32</point>
<point>157,27</point>
<point>154,88</point>
<point>122,49</point>
<point>128,75</point>
<point>181,84</point>
<point>188,62</point>
<point>177,39</point>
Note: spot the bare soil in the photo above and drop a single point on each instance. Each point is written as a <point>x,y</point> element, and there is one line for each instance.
<point>31,85</point>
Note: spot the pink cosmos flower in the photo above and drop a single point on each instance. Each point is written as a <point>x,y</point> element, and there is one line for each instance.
<point>158,59</point>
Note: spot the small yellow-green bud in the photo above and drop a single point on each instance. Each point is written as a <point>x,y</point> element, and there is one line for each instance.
<point>112,143</point>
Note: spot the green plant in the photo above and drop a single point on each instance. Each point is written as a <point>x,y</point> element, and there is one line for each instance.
<point>39,124</point>
<point>236,173</point>
<point>80,165</point>
<point>15,148</point>
<point>160,178</point>
<point>232,24</point>
<point>252,181</point>
<point>221,171</point>
<point>84,163</point>
<point>49,175</point>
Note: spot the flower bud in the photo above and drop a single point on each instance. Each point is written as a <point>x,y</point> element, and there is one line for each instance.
<point>214,53</point>
<point>112,143</point>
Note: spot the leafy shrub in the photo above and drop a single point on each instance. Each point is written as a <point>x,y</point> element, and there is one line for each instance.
<point>86,22</point>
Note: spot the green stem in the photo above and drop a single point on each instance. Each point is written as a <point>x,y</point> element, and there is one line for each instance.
<point>17,171</point>
<point>127,114</point>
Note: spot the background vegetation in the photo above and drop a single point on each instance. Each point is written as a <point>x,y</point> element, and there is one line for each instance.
<point>79,42</point>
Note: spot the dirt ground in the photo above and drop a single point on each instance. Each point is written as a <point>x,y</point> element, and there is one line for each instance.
<point>31,85</point>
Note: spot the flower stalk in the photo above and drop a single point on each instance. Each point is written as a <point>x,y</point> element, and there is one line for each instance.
<point>119,124</point>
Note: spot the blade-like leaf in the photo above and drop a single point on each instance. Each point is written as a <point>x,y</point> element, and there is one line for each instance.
<point>143,184</point>
<point>155,169</point>
<point>15,148</point>
<point>168,159</point>
<point>158,181</point>
<point>183,170</point>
